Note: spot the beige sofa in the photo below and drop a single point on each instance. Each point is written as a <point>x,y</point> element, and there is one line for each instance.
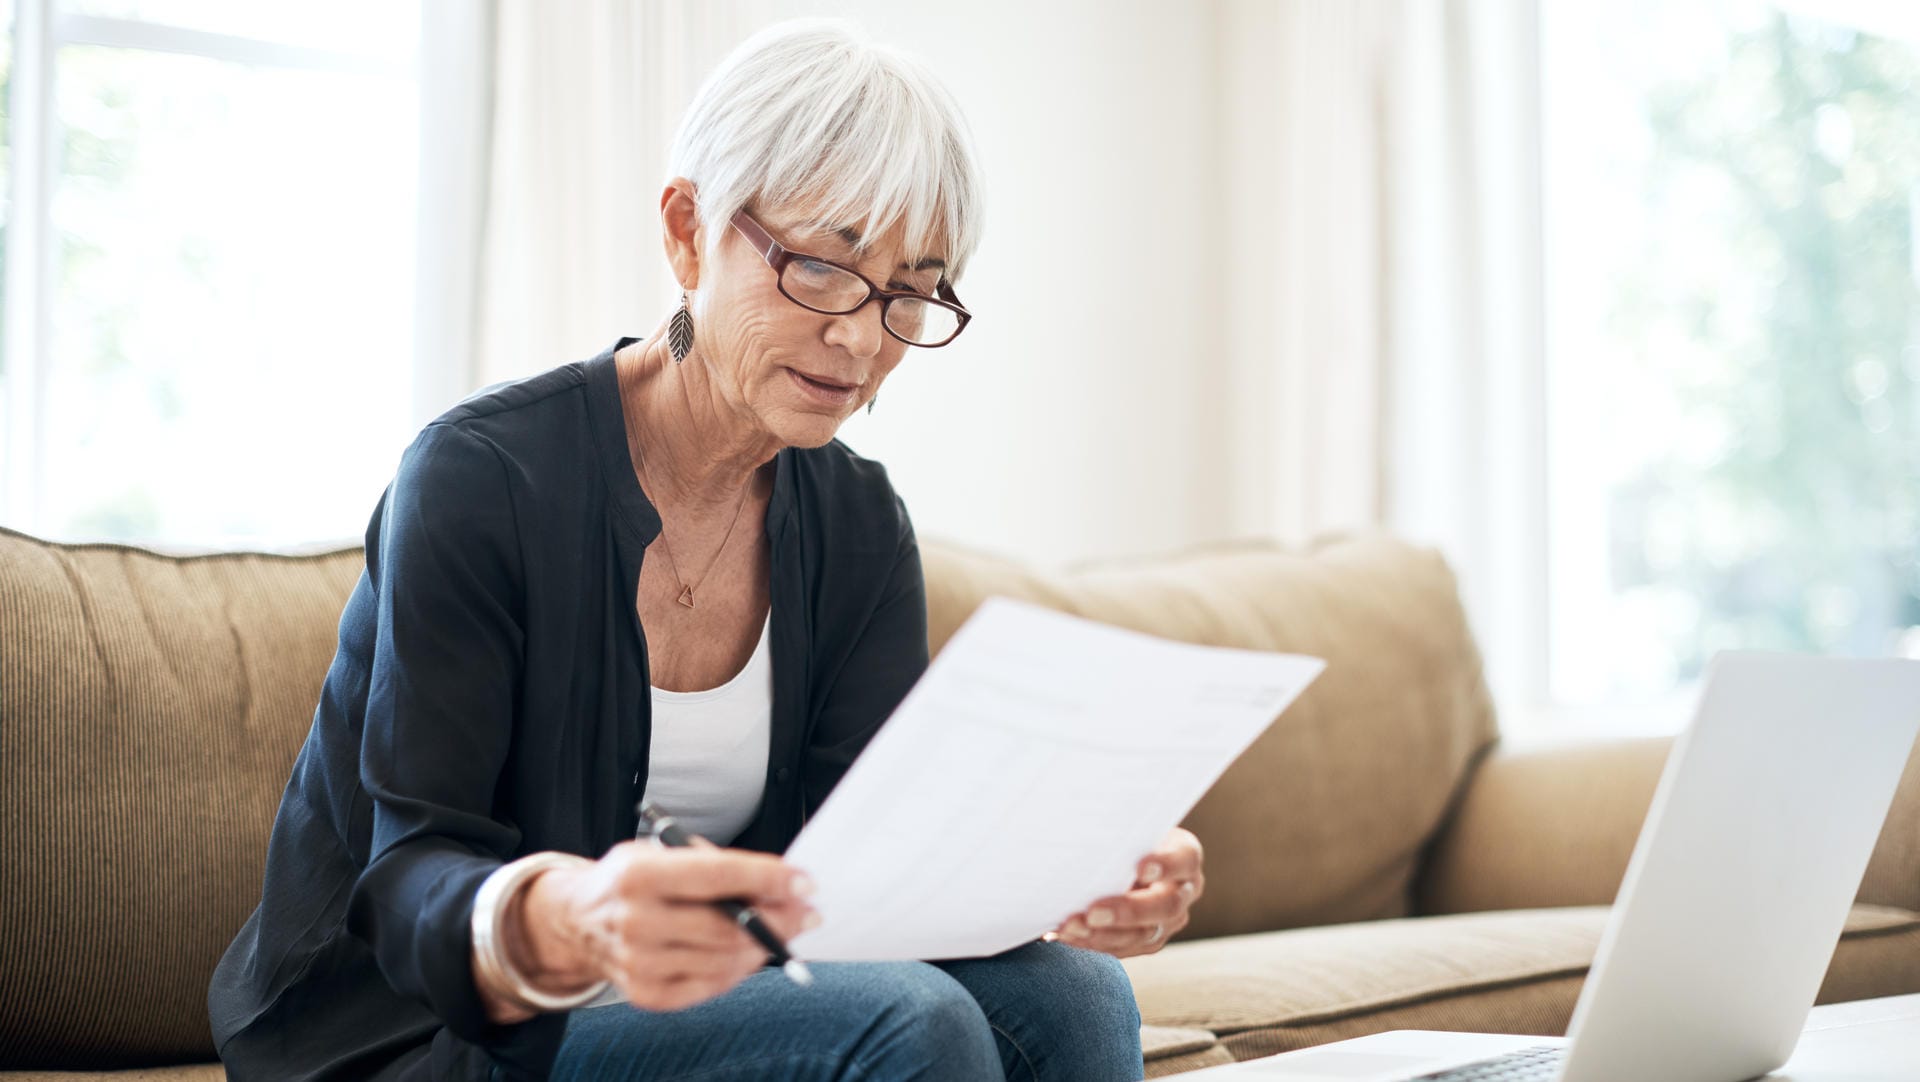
<point>1374,861</point>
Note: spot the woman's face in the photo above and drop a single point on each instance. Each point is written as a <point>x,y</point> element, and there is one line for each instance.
<point>800,372</point>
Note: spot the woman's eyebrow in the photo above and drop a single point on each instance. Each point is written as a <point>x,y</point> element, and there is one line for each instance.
<point>852,237</point>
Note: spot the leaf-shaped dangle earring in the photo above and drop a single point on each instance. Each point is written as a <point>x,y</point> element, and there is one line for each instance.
<point>680,331</point>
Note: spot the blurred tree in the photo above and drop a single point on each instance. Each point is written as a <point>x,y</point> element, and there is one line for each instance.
<point>1789,509</point>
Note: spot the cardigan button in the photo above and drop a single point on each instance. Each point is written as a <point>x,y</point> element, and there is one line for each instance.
<point>782,774</point>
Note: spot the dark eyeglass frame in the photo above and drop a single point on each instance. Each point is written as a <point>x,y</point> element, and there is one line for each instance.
<point>778,256</point>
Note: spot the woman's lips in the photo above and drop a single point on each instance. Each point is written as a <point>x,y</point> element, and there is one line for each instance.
<point>823,392</point>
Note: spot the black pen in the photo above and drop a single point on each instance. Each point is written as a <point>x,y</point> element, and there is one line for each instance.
<point>667,832</point>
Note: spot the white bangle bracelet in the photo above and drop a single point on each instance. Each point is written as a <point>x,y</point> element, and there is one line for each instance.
<point>490,906</point>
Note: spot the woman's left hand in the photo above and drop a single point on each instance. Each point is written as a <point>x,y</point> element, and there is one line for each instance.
<point>1140,921</point>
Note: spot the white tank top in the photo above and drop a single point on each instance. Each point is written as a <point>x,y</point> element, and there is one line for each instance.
<point>707,766</point>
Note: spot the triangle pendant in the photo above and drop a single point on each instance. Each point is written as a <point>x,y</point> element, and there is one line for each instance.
<point>686,596</point>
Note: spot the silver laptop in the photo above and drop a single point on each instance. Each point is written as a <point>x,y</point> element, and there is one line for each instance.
<point>1749,861</point>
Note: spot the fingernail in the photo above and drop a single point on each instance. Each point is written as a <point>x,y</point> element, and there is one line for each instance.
<point>1100,918</point>
<point>1050,937</point>
<point>1076,928</point>
<point>810,922</point>
<point>1187,889</point>
<point>802,885</point>
<point>1150,873</point>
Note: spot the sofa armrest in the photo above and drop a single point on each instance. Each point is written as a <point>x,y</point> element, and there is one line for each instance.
<point>1557,827</point>
<point>1550,827</point>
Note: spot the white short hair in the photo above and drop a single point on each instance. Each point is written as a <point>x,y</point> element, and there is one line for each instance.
<point>810,115</point>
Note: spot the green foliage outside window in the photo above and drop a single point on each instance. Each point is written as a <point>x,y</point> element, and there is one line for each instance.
<point>1791,514</point>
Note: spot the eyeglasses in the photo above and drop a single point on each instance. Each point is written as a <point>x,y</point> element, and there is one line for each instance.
<point>821,285</point>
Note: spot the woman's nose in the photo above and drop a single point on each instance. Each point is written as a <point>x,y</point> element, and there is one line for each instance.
<point>858,332</point>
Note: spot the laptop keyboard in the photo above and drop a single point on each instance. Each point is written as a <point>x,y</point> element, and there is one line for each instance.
<point>1526,1065</point>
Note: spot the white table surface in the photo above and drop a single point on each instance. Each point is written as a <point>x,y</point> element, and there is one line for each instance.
<point>1863,1041</point>
<point>1870,1040</point>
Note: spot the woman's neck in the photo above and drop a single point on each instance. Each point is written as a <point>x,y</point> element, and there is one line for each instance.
<point>697,448</point>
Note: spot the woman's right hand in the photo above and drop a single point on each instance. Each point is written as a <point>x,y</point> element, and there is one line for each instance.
<point>642,916</point>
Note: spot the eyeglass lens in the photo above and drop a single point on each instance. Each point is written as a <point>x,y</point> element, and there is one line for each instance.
<point>827,288</point>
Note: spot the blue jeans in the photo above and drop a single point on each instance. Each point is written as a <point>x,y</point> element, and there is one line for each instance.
<point>1044,1012</point>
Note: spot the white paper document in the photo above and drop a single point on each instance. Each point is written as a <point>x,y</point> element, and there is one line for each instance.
<point>1037,760</point>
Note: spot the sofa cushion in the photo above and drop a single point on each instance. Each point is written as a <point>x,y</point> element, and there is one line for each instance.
<point>1174,1049</point>
<point>1515,972</point>
<point>192,1072</point>
<point>1518,971</point>
<point>150,711</point>
<point>1325,816</point>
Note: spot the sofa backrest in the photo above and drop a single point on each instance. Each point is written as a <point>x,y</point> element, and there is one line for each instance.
<point>150,711</point>
<point>151,707</point>
<point>1325,818</point>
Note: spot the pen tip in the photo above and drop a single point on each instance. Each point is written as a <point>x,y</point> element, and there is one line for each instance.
<point>798,971</point>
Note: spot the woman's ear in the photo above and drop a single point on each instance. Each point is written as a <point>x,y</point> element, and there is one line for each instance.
<point>681,231</point>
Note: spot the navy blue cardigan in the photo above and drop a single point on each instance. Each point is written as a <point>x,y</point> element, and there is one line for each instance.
<point>489,698</point>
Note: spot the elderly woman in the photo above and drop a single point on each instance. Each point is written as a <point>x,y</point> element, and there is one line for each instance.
<point>657,573</point>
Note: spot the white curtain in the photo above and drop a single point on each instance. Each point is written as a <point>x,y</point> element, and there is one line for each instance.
<point>1465,317</point>
<point>587,94</point>
<point>456,117</point>
<point>1383,238</point>
<point>1304,171</point>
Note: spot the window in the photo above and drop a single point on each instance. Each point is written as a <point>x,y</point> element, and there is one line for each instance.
<point>210,269</point>
<point>1734,338</point>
